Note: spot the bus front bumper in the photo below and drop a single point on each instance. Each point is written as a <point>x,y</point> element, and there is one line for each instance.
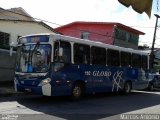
<point>39,90</point>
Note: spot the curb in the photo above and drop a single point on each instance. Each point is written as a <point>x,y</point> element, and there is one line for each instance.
<point>10,92</point>
<point>7,91</point>
<point>7,88</point>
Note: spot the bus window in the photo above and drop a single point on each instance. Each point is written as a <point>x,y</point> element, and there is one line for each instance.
<point>33,58</point>
<point>41,58</point>
<point>144,62</point>
<point>66,46</point>
<point>113,58</point>
<point>98,55</point>
<point>81,53</point>
<point>125,59</point>
<point>136,60</point>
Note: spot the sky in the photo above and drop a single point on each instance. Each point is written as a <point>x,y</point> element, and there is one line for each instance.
<point>61,12</point>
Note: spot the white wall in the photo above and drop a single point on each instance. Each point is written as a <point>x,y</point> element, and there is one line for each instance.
<point>18,28</point>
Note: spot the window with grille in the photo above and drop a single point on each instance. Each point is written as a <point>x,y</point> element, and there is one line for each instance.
<point>85,35</point>
<point>4,39</point>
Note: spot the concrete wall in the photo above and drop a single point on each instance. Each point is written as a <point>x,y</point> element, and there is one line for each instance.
<point>7,65</point>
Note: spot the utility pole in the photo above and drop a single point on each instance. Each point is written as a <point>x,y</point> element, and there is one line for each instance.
<point>154,38</point>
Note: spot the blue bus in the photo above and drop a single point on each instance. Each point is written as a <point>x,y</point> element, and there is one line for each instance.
<point>58,65</point>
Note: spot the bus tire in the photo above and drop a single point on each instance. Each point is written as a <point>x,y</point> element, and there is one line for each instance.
<point>127,87</point>
<point>77,91</point>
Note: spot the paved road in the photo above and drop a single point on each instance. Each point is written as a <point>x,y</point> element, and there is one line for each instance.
<point>93,107</point>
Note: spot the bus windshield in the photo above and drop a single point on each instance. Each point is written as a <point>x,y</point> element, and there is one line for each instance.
<point>33,58</point>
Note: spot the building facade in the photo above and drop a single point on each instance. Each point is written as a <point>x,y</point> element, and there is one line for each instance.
<point>106,32</point>
<point>14,23</point>
<point>17,22</point>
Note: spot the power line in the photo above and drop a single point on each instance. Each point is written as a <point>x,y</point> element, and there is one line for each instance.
<point>142,26</point>
<point>60,25</point>
<point>29,16</point>
<point>53,23</point>
<point>150,43</point>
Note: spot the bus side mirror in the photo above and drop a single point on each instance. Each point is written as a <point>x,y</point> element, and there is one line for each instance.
<point>60,52</point>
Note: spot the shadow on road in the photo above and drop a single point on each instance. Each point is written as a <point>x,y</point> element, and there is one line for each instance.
<point>91,107</point>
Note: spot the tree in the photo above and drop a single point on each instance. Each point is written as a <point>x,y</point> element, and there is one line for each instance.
<point>139,6</point>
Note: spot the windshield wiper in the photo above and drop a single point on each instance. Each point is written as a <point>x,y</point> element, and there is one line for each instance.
<point>30,68</point>
<point>35,48</point>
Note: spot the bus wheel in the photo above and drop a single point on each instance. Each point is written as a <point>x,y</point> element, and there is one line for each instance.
<point>77,91</point>
<point>127,87</point>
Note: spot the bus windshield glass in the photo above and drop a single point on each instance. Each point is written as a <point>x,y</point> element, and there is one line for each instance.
<point>33,58</point>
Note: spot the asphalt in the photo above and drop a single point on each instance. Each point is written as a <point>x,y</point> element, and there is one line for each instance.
<point>7,89</point>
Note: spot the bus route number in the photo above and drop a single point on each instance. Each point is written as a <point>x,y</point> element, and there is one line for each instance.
<point>88,73</point>
<point>98,73</point>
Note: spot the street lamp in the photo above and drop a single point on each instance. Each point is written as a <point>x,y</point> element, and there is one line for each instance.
<point>154,38</point>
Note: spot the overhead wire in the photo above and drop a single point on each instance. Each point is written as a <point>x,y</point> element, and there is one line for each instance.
<point>52,22</point>
<point>60,25</point>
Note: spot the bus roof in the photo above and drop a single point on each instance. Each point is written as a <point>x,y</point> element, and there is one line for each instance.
<point>98,44</point>
<point>89,42</point>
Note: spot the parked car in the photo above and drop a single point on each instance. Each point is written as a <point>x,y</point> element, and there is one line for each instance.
<point>154,82</point>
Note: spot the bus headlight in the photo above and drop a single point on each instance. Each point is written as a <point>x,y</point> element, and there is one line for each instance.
<point>45,81</point>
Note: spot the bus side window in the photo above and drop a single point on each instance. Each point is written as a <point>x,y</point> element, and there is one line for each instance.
<point>98,55</point>
<point>66,58</point>
<point>113,58</point>
<point>81,53</point>
<point>136,60</point>
<point>56,47</point>
<point>66,51</point>
<point>125,59</point>
<point>144,62</point>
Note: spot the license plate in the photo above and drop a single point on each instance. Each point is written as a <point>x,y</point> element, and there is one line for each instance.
<point>28,90</point>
